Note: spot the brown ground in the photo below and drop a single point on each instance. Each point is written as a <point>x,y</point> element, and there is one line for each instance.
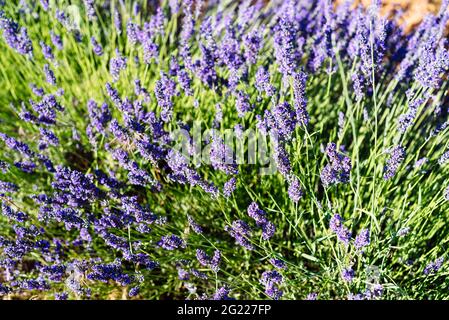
<point>414,10</point>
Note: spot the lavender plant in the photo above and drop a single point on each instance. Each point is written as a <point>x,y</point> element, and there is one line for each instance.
<point>117,177</point>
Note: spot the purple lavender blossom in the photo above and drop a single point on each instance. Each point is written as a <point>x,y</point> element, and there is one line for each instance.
<point>338,168</point>
<point>434,266</point>
<point>134,291</point>
<point>164,90</point>
<point>207,261</point>
<point>222,293</point>
<point>419,163</point>
<point>257,214</point>
<point>284,120</point>
<point>281,158</point>
<point>117,64</point>
<point>294,190</point>
<point>362,239</point>
<point>47,51</point>
<point>37,91</point>
<point>171,242</point>
<point>397,155</point>
<point>240,231</point>
<point>47,138</point>
<point>221,156</point>
<point>50,76</point>
<point>242,103</point>
<point>443,158</point>
<point>278,263</point>
<point>268,230</point>
<point>285,46</point>
<point>8,187</point>
<point>56,40</point>
<point>271,280</point>
<point>44,4</point>
<point>262,82</point>
<point>229,187</point>
<point>195,226</point>
<point>97,48</point>
<point>348,274</point>
<point>198,274</point>
<point>117,21</point>
<point>185,82</point>
<point>61,296</point>
<point>300,98</point>
<point>17,38</point>
<point>183,274</point>
<point>90,9</point>
<point>312,296</point>
<point>336,225</point>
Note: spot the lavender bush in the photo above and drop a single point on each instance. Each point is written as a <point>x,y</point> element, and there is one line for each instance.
<point>117,179</point>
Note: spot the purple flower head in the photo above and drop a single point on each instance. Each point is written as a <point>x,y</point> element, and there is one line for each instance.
<point>336,225</point>
<point>56,40</point>
<point>99,116</point>
<point>198,274</point>
<point>185,82</point>
<point>117,21</point>
<point>222,293</point>
<point>171,242</point>
<point>419,163</point>
<point>262,82</point>
<point>268,230</point>
<point>348,274</point>
<point>285,46</point>
<point>183,274</point>
<point>164,90</point>
<point>294,190</point>
<point>61,296</point>
<point>106,272</point>
<point>242,103</point>
<point>253,43</point>
<point>37,91</point>
<point>284,120</point>
<point>278,263</point>
<point>397,156</point>
<point>47,51</point>
<point>338,168</point>
<point>97,48</point>
<point>195,226</point>
<point>281,158</point>
<point>17,38</point>
<point>8,187</point>
<point>240,231</point>
<point>117,64</point>
<point>300,98</point>
<point>312,296</point>
<point>44,4</point>
<point>257,214</point>
<point>90,9</point>
<point>362,239</point>
<point>271,280</point>
<point>221,156</point>
<point>18,216</point>
<point>207,261</point>
<point>443,158</point>
<point>229,187</point>
<point>47,138</point>
<point>134,291</point>
<point>49,75</point>
<point>434,266</point>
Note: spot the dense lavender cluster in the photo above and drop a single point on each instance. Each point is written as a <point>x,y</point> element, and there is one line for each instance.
<point>338,169</point>
<point>97,191</point>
